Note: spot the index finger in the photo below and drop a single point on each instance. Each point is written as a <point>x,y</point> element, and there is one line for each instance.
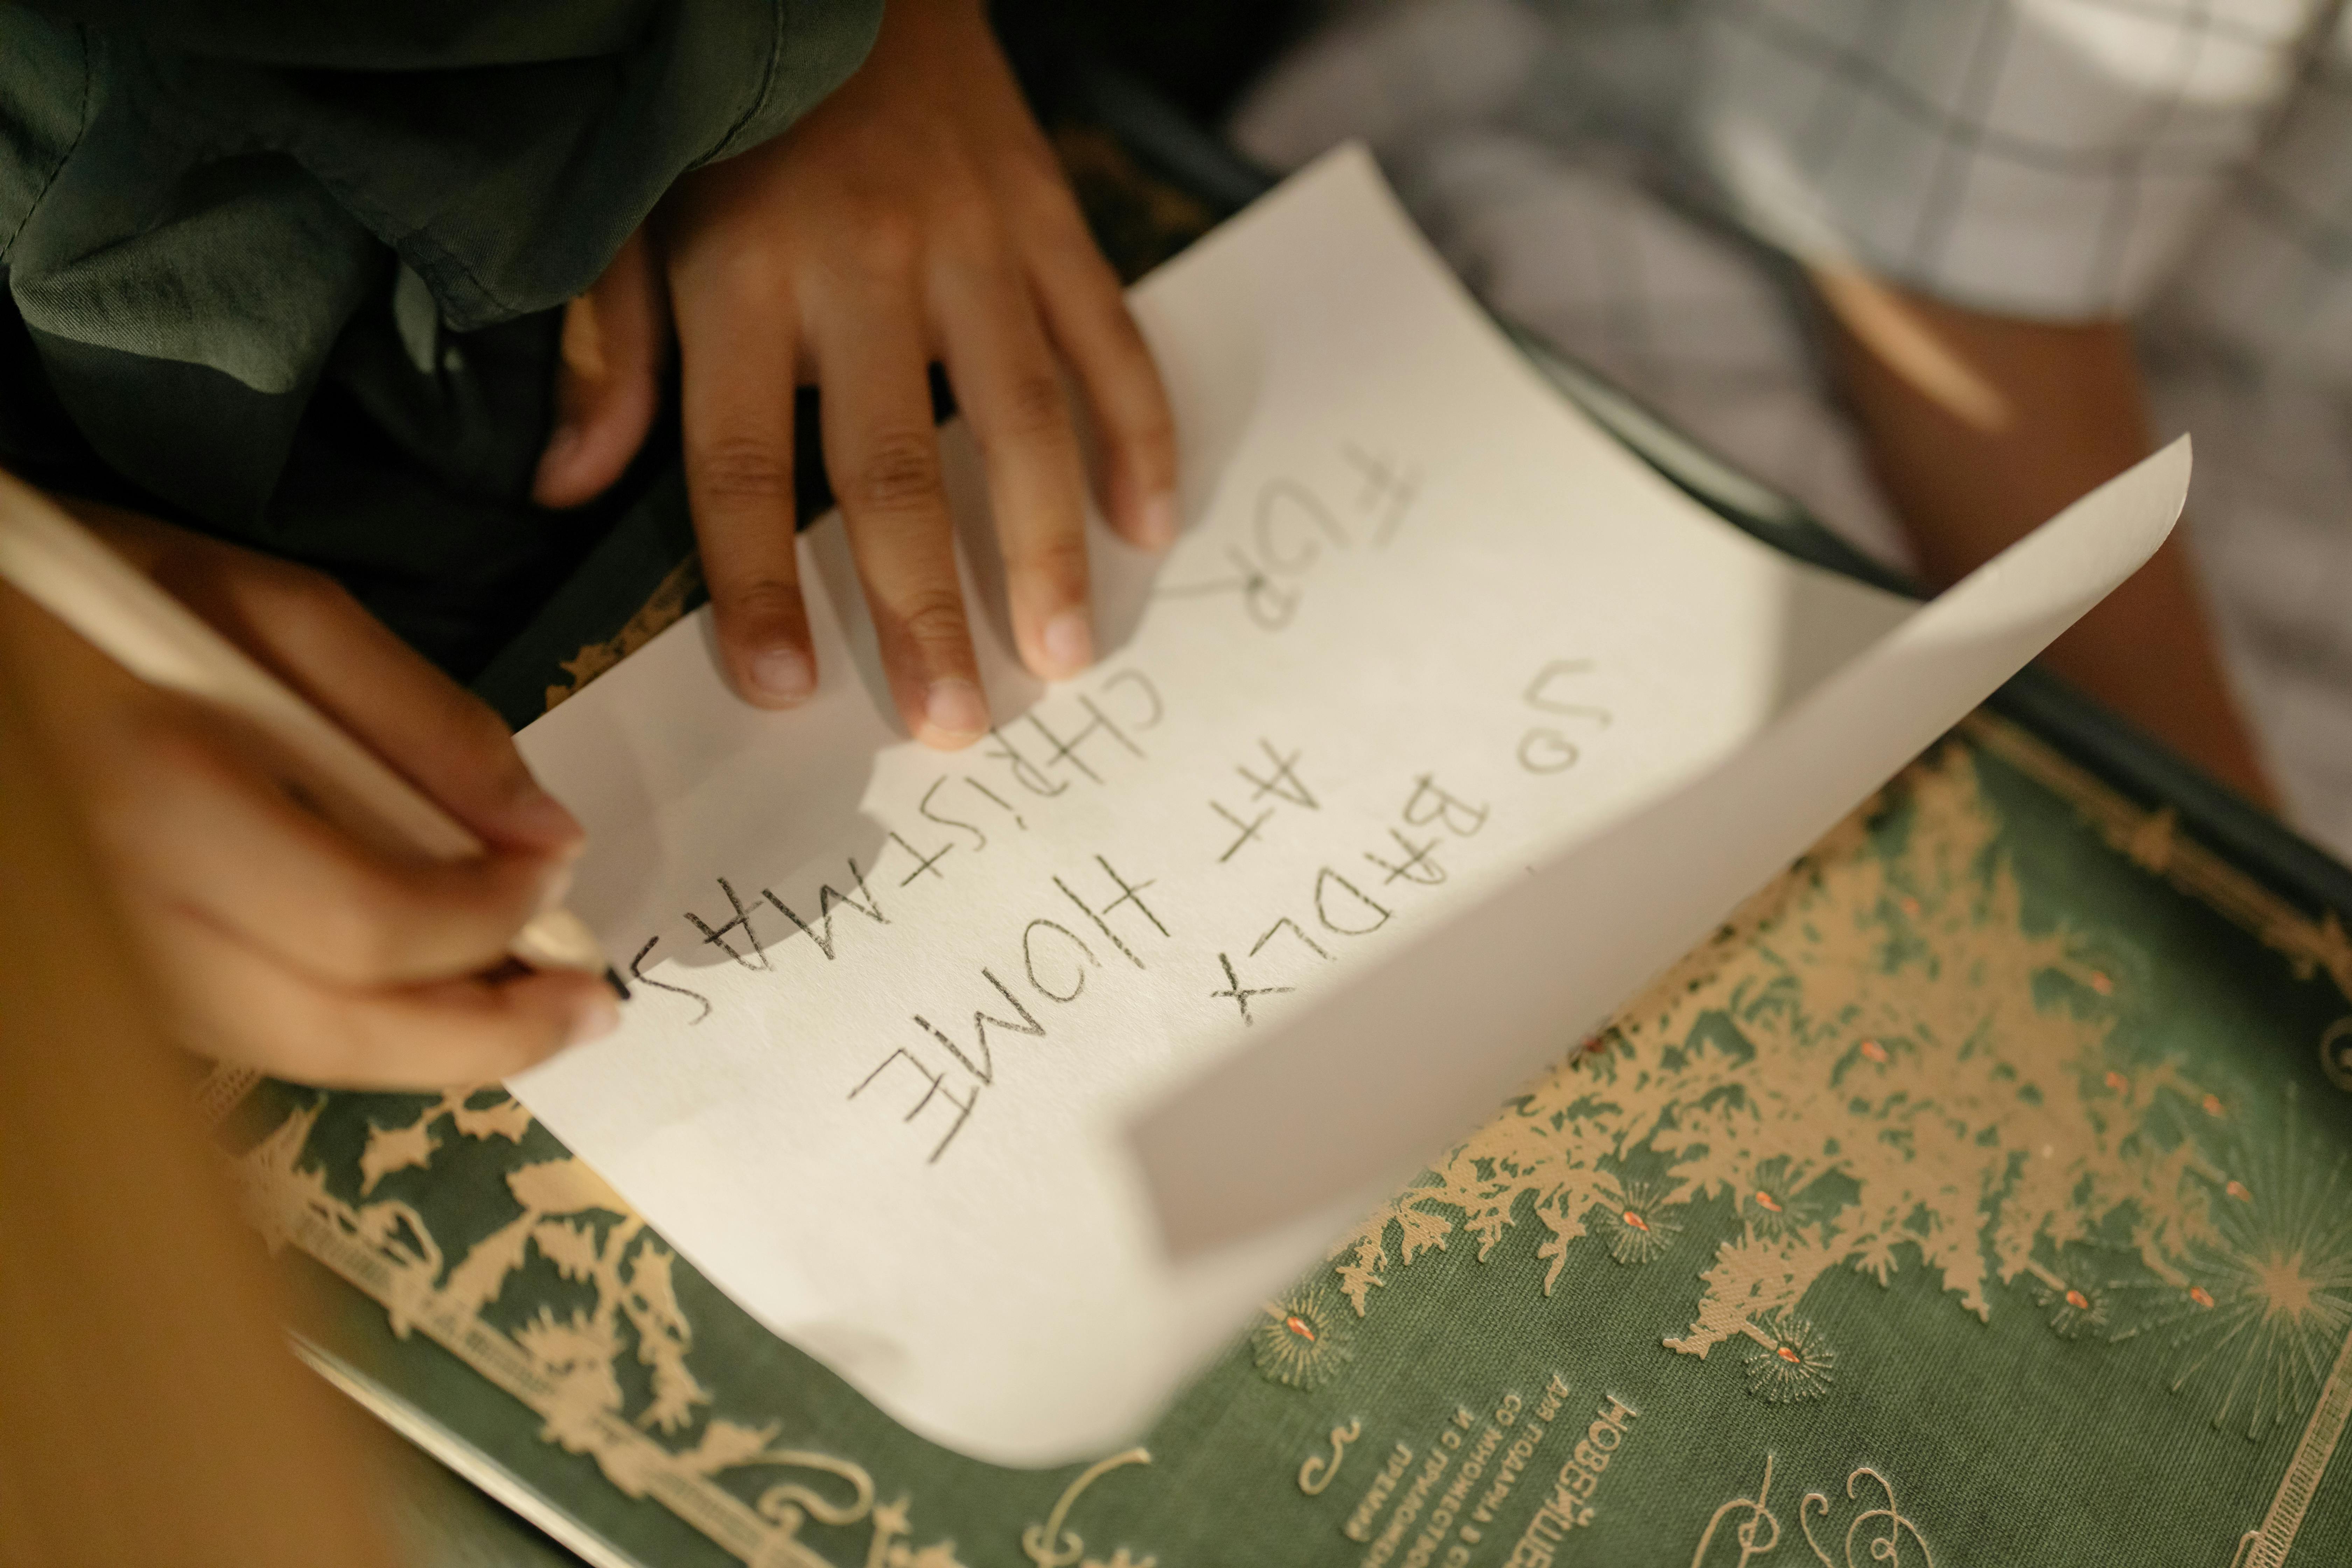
<point>209,822</point>
<point>239,1004</point>
<point>320,641</point>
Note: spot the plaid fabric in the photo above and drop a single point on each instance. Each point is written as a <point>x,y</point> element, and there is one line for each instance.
<point>2273,274</point>
<point>1602,170</point>
<point>2063,159</point>
<point>2054,159</point>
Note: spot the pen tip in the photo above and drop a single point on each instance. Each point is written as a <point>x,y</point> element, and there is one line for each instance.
<point>612,978</point>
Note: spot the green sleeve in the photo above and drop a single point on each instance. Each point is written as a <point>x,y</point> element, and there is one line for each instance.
<point>196,206</point>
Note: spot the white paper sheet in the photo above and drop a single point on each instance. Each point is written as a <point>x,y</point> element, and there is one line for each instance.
<point>1444,725</point>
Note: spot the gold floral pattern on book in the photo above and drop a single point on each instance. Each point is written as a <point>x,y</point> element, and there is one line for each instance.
<point>1877,1064</point>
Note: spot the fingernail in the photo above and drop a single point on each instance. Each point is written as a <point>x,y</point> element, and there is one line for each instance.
<point>954,707</point>
<point>785,674</point>
<point>1160,524</point>
<point>595,1015</point>
<point>1069,641</point>
<point>540,818</point>
<point>555,888</point>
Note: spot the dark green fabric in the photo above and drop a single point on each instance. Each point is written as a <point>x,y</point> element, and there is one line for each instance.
<point>291,272</point>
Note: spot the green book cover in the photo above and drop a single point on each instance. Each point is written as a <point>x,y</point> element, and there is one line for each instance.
<point>1978,1195</point>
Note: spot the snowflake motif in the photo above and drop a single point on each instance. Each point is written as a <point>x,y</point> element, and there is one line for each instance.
<point>1792,1362</point>
<point>1304,1338</point>
<point>2075,1307</point>
<point>1636,1227</point>
<point>1774,1204</point>
<point>2268,1302</point>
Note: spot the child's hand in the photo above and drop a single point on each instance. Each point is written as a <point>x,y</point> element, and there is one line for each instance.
<point>916,215</point>
<point>281,942</point>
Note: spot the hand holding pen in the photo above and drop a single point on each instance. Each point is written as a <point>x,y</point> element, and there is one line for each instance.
<point>311,912</point>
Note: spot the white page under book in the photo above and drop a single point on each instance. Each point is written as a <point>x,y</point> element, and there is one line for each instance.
<point>1427,630</point>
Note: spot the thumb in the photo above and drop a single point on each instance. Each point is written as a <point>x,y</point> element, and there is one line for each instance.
<point>608,383</point>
